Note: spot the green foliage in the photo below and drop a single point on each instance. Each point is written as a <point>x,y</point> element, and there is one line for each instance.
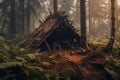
<point>101,41</point>
<point>68,74</point>
<point>10,64</point>
<point>41,74</point>
<point>4,56</point>
<point>112,65</point>
<point>117,41</point>
<point>12,58</point>
<point>10,48</point>
<point>32,56</point>
<point>97,42</point>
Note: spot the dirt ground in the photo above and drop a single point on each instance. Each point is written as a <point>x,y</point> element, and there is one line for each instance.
<point>89,64</point>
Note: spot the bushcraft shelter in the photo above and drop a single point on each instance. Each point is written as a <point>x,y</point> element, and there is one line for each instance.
<point>56,32</point>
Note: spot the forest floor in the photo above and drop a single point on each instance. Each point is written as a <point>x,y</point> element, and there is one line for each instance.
<point>80,64</point>
<point>88,64</point>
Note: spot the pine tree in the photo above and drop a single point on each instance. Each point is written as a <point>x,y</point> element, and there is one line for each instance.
<point>83,24</point>
<point>109,46</point>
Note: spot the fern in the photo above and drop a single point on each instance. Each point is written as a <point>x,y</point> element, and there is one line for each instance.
<point>112,66</point>
<point>10,64</point>
<point>10,48</point>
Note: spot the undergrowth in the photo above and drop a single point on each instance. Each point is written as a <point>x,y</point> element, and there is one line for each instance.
<point>112,64</point>
<point>13,60</point>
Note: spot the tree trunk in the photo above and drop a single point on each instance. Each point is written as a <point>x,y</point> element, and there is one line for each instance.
<point>90,19</point>
<point>83,23</point>
<point>93,26</point>
<point>93,18</point>
<point>113,26</point>
<point>56,8</point>
<point>117,17</point>
<point>12,28</point>
<point>28,18</point>
<point>22,16</point>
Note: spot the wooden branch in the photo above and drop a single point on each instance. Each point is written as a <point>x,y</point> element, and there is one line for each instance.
<point>47,45</point>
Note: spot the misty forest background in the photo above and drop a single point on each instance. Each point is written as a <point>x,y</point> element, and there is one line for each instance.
<point>23,17</point>
<point>96,21</point>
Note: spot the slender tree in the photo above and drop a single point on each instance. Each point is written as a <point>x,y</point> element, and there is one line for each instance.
<point>22,15</point>
<point>4,17</point>
<point>83,24</point>
<point>90,19</point>
<point>12,29</point>
<point>113,26</point>
<point>19,8</point>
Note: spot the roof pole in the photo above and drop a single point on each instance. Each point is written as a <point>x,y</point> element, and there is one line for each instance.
<point>47,45</point>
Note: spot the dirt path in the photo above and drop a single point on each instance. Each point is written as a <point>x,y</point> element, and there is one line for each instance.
<point>90,65</point>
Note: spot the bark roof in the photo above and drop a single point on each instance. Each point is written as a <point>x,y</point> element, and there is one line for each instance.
<point>56,22</point>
